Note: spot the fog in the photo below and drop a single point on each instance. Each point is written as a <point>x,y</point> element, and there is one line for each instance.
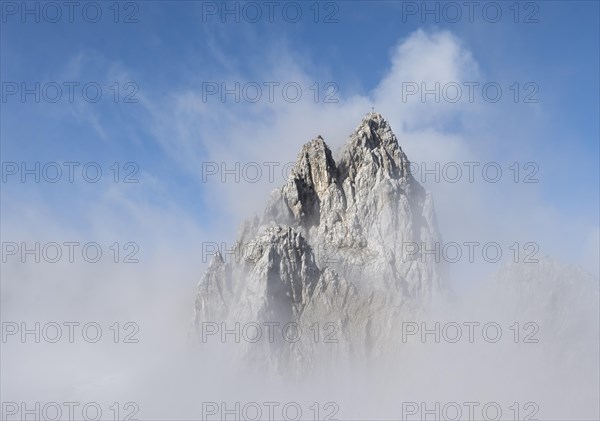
<point>544,365</point>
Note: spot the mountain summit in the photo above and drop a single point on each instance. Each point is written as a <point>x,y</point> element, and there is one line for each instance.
<point>331,248</point>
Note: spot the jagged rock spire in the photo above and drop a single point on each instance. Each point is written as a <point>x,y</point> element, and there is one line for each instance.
<point>332,244</point>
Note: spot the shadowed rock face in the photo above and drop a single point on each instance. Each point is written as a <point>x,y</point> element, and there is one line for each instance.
<point>332,247</point>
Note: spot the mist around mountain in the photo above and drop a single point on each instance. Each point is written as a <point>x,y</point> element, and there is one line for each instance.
<point>331,257</point>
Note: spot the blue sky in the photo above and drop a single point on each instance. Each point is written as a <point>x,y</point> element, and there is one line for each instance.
<point>174,48</point>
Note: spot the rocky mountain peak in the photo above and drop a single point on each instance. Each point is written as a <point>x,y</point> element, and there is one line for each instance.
<point>315,165</point>
<point>376,130</point>
<point>374,147</point>
<point>331,245</point>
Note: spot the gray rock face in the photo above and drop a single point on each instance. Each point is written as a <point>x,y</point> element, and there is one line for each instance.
<point>331,249</point>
